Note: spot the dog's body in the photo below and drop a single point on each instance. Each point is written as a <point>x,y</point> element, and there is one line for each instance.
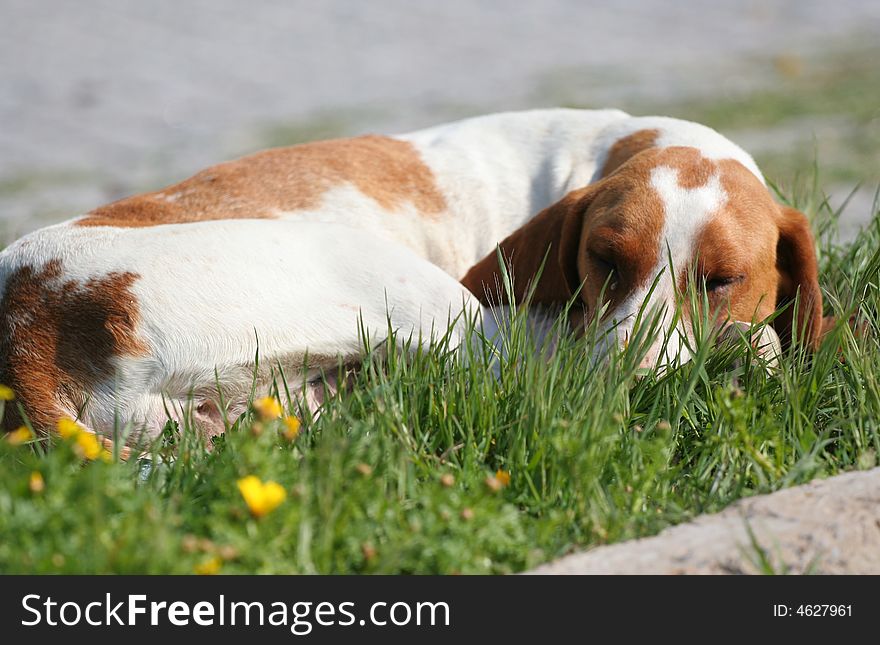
<point>174,312</point>
<point>450,193</point>
<point>110,315</point>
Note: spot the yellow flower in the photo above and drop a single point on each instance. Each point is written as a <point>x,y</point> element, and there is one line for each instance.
<point>19,435</point>
<point>268,408</point>
<point>291,428</point>
<point>503,477</point>
<point>68,428</point>
<point>209,567</point>
<point>86,444</point>
<point>36,482</point>
<point>261,498</point>
<point>6,393</point>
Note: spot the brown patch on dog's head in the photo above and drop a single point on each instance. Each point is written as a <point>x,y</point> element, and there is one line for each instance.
<point>627,147</point>
<point>258,186</point>
<point>619,250</point>
<point>58,339</point>
<point>736,250</point>
<point>768,251</point>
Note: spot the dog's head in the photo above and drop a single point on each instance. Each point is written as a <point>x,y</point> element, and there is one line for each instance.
<point>659,221</point>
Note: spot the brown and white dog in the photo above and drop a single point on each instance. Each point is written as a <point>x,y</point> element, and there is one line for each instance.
<point>659,216</point>
<point>140,308</point>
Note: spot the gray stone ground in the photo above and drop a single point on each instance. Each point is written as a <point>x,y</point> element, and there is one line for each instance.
<point>826,526</point>
<point>102,98</point>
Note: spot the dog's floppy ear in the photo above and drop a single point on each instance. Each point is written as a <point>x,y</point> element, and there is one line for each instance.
<point>553,233</point>
<point>798,273</point>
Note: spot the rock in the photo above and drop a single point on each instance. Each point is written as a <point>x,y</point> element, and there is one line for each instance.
<point>829,526</point>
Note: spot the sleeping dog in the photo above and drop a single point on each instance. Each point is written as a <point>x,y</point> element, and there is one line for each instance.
<point>160,297</point>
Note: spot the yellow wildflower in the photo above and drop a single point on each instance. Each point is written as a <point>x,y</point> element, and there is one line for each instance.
<point>291,428</point>
<point>88,445</point>
<point>499,480</point>
<point>36,482</point>
<point>209,567</point>
<point>19,435</point>
<point>6,393</point>
<point>68,428</point>
<point>268,408</point>
<point>261,498</point>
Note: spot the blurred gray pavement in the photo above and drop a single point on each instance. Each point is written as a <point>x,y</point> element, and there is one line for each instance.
<point>101,98</point>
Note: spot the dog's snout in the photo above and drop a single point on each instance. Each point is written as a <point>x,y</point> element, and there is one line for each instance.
<point>764,341</point>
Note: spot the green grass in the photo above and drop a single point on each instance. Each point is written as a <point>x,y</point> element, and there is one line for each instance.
<point>398,475</point>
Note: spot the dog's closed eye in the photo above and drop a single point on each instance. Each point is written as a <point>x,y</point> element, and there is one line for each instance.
<point>606,268</point>
<point>718,284</point>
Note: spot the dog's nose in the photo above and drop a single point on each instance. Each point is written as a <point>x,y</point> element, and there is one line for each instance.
<point>732,332</point>
<point>648,361</point>
<point>765,342</point>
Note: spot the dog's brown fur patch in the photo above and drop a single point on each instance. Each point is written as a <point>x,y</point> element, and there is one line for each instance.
<point>626,147</point>
<point>285,179</point>
<point>58,338</point>
<point>741,241</point>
